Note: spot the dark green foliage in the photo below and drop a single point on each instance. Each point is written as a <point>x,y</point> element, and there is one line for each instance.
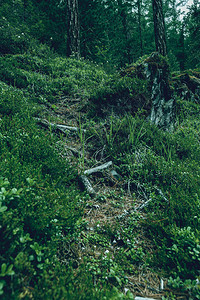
<point>111,32</point>
<point>193,38</point>
<point>38,197</point>
<point>41,206</point>
<point>13,39</point>
<point>53,76</point>
<point>165,167</point>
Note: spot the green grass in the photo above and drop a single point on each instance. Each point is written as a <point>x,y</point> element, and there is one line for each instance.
<point>41,206</point>
<point>50,77</point>
<point>167,162</point>
<point>39,200</point>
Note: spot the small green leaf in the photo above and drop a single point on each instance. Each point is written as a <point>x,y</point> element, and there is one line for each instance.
<point>3,270</point>
<point>31,257</point>
<point>2,208</point>
<point>10,271</point>
<point>2,284</point>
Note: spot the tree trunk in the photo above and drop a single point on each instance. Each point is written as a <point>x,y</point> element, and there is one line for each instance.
<point>73,38</point>
<point>139,26</point>
<point>123,15</point>
<point>24,10</point>
<point>181,53</point>
<point>159,27</point>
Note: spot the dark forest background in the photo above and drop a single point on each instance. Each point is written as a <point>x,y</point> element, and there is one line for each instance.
<point>113,33</point>
<point>78,81</point>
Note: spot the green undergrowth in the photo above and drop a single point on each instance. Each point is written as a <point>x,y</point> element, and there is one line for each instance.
<point>164,168</point>
<point>47,76</point>
<point>41,206</point>
<point>50,76</point>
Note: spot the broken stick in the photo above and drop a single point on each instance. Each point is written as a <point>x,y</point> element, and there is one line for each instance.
<point>98,169</point>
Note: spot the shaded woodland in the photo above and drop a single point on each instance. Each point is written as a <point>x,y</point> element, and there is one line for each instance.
<point>99,149</point>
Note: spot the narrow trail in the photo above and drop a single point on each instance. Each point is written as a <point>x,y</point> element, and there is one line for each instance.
<point>107,214</point>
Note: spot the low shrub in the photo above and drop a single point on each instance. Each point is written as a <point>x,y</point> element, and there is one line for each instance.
<point>164,168</point>
<point>39,201</point>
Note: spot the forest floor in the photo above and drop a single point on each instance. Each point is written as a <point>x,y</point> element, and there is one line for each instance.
<point>106,213</point>
<point>134,231</point>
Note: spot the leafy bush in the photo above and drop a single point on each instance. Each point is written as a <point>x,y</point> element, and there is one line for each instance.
<point>184,253</point>
<point>39,203</point>
<point>13,39</point>
<point>164,167</point>
<point>191,286</point>
<point>50,77</point>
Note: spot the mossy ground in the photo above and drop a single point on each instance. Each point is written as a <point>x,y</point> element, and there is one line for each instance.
<point>59,243</point>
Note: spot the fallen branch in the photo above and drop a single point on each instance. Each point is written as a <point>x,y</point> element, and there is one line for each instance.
<point>98,169</point>
<point>162,195</point>
<point>143,205</point>
<point>65,127</point>
<point>149,200</point>
<point>49,125</point>
<point>58,127</point>
<point>86,185</point>
<point>128,212</point>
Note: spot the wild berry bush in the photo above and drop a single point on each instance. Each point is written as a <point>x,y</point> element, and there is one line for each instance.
<point>40,210</point>
<point>51,76</point>
<point>39,202</point>
<point>164,167</point>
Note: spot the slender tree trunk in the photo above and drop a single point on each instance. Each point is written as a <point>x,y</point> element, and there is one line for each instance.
<point>140,27</point>
<point>159,27</point>
<point>73,38</point>
<point>24,12</point>
<point>181,50</point>
<point>123,15</point>
<point>195,3</point>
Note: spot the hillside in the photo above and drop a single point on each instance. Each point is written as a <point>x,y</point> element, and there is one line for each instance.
<point>136,227</point>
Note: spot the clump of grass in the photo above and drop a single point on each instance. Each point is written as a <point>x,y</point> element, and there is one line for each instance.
<point>41,207</point>
<point>166,167</point>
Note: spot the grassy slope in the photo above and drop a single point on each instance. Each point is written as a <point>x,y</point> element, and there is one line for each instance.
<point>44,234</point>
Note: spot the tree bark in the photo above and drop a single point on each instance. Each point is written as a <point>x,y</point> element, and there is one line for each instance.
<point>123,15</point>
<point>181,53</point>
<point>73,38</point>
<point>159,27</point>
<point>140,27</point>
